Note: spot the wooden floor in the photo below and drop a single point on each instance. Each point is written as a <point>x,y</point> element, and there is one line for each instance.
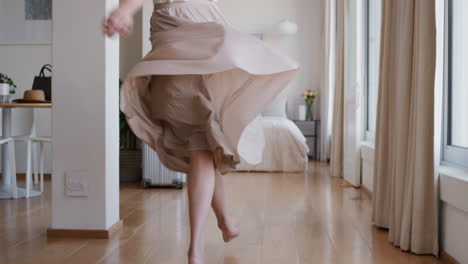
<point>285,218</point>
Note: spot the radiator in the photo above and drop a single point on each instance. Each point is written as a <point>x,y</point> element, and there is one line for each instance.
<point>155,174</point>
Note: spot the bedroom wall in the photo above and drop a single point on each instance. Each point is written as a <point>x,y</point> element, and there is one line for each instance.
<point>131,47</point>
<point>367,169</point>
<point>305,46</point>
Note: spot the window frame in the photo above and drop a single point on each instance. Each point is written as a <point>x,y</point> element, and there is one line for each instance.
<point>368,135</point>
<point>454,155</point>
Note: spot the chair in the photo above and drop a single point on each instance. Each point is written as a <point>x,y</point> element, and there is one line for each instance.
<point>31,161</point>
<point>11,160</point>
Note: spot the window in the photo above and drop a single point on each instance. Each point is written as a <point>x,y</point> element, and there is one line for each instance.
<point>374,15</point>
<point>456,85</point>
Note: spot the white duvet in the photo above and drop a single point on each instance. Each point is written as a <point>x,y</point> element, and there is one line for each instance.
<point>285,147</point>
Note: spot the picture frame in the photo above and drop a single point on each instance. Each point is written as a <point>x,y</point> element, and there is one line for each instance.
<point>25,22</point>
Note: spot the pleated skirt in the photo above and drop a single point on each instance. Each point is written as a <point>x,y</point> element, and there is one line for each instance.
<point>201,86</point>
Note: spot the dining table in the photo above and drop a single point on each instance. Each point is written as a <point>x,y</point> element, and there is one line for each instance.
<point>6,191</point>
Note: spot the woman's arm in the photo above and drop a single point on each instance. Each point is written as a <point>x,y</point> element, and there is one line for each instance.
<point>120,20</point>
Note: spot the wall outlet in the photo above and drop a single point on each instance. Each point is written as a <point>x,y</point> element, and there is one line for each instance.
<point>76,183</point>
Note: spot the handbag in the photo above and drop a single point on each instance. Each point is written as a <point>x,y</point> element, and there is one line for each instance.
<point>43,82</point>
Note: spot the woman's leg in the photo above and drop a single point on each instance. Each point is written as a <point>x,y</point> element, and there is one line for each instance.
<point>200,183</point>
<point>219,208</point>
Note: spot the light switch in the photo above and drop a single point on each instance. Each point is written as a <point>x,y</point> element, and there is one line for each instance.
<point>76,183</point>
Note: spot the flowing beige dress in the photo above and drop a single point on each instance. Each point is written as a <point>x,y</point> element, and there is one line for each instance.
<point>201,86</point>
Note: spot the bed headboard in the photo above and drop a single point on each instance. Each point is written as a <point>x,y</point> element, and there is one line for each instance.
<point>277,107</point>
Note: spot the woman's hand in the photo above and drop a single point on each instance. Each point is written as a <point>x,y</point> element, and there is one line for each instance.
<point>119,22</point>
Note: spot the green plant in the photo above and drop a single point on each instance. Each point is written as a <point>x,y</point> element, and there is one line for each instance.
<point>6,79</point>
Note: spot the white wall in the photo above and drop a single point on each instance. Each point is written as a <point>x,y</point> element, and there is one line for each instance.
<point>22,63</point>
<point>454,211</point>
<point>130,47</point>
<point>454,227</point>
<point>305,46</point>
<point>367,161</point>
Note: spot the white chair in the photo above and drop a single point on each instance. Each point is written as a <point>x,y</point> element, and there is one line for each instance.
<point>11,161</point>
<point>32,160</point>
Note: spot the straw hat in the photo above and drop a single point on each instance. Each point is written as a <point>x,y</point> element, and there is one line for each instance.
<point>32,96</point>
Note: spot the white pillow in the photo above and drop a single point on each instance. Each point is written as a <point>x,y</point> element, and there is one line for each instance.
<point>277,107</point>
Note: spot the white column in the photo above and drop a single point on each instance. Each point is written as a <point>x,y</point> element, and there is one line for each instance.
<point>85,118</point>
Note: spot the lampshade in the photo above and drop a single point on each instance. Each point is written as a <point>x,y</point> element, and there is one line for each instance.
<point>286,27</point>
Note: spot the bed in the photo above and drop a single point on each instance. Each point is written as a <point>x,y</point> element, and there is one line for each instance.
<point>285,147</point>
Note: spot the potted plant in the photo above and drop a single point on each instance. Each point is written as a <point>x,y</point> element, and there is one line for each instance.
<point>309,97</point>
<point>7,87</point>
<point>130,152</point>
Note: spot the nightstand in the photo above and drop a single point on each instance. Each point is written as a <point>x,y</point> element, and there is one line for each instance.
<point>311,131</point>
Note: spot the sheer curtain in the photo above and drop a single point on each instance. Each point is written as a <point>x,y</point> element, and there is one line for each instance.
<point>327,83</point>
<point>404,198</point>
<point>336,155</point>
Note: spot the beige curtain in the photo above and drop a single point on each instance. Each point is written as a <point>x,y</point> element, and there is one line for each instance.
<point>328,34</point>
<point>336,152</point>
<point>404,190</point>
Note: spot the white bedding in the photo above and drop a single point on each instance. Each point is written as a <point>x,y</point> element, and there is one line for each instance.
<point>285,147</point>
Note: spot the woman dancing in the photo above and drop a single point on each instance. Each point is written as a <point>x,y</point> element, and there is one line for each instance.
<point>194,96</point>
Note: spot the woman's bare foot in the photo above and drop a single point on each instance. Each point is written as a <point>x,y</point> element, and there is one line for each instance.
<point>229,232</point>
<point>230,235</point>
<point>193,259</point>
